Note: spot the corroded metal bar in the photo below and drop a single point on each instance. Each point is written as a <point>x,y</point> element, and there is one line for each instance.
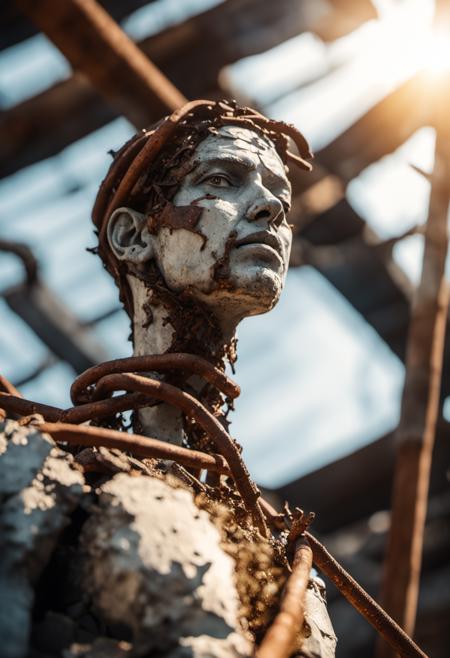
<point>80,414</point>
<point>415,435</point>
<point>194,409</point>
<point>18,405</point>
<point>173,361</point>
<point>104,408</point>
<point>395,636</point>
<point>97,47</point>
<point>136,444</point>
<point>279,641</point>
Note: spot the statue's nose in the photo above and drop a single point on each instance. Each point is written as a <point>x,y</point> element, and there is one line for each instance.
<point>269,209</point>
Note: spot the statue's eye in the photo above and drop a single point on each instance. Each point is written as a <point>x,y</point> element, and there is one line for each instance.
<point>218,180</point>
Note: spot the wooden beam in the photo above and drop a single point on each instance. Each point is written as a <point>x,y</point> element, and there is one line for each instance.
<point>421,395</point>
<point>336,242</point>
<point>96,47</point>
<point>358,485</point>
<point>42,126</point>
<point>15,27</point>
<point>56,326</point>
<point>382,130</point>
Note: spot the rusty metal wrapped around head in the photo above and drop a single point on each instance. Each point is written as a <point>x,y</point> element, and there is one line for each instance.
<point>147,170</point>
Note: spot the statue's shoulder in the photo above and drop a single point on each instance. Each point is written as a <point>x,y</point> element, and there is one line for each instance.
<point>155,562</point>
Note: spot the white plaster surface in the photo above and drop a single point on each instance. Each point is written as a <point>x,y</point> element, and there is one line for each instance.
<point>39,487</point>
<point>155,563</point>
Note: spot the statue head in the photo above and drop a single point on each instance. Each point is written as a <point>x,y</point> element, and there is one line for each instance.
<point>197,205</point>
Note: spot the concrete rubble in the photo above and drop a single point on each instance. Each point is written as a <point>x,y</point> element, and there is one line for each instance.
<point>155,563</point>
<point>121,565</point>
<point>39,488</point>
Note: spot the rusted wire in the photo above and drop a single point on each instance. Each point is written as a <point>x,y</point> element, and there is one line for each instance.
<point>18,405</point>
<point>142,446</point>
<point>149,151</point>
<point>280,639</point>
<point>193,409</point>
<point>361,601</point>
<point>104,408</point>
<point>142,388</point>
<point>80,414</point>
<point>172,361</point>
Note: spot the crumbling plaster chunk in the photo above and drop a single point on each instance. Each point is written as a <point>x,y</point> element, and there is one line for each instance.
<point>39,488</point>
<point>155,563</point>
<point>319,640</point>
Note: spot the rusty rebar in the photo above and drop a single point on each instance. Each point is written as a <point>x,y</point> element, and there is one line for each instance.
<point>149,151</point>
<point>136,444</point>
<point>80,414</point>
<point>173,361</point>
<point>194,409</point>
<point>421,398</point>
<point>98,48</point>
<point>22,407</point>
<point>395,636</point>
<point>280,639</point>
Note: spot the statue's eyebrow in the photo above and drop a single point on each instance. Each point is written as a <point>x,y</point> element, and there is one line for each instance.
<point>233,160</point>
<point>243,163</point>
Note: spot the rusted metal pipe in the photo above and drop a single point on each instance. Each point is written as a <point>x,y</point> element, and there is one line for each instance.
<point>104,408</point>
<point>194,409</point>
<point>136,444</point>
<point>80,414</point>
<point>141,160</point>
<point>280,639</point>
<point>22,407</point>
<point>395,636</point>
<point>98,48</point>
<point>415,434</point>
<point>173,361</point>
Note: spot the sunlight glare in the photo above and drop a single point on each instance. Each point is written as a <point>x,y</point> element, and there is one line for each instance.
<point>437,54</point>
<point>410,42</point>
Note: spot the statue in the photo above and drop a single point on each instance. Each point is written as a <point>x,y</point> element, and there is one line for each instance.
<point>192,225</point>
<point>198,240</point>
<point>202,240</point>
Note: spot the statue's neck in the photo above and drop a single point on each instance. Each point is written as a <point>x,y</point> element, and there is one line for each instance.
<point>165,323</point>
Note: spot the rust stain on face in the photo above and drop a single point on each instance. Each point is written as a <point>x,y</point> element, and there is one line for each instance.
<point>177,217</point>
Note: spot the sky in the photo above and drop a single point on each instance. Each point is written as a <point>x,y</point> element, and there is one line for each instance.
<point>317,382</point>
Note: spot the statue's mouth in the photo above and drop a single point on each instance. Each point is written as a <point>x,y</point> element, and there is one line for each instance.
<point>266,238</point>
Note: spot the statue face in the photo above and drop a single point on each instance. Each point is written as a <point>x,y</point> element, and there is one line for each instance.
<point>242,254</point>
<point>237,257</point>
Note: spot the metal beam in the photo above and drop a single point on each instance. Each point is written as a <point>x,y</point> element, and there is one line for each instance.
<point>42,126</point>
<point>97,47</point>
<point>56,326</point>
<point>15,27</point>
<point>359,484</point>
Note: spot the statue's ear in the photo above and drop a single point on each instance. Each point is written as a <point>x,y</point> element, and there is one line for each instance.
<point>129,237</point>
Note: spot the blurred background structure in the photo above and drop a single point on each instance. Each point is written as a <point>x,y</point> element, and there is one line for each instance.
<point>322,374</point>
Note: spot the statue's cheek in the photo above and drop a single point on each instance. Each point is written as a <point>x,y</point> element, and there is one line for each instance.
<point>184,258</point>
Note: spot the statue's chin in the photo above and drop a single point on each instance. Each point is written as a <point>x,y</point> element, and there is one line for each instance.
<point>244,294</point>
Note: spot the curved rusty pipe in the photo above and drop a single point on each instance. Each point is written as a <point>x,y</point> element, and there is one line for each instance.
<point>173,361</point>
<point>136,444</point>
<point>100,409</point>
<point>193,409</point>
